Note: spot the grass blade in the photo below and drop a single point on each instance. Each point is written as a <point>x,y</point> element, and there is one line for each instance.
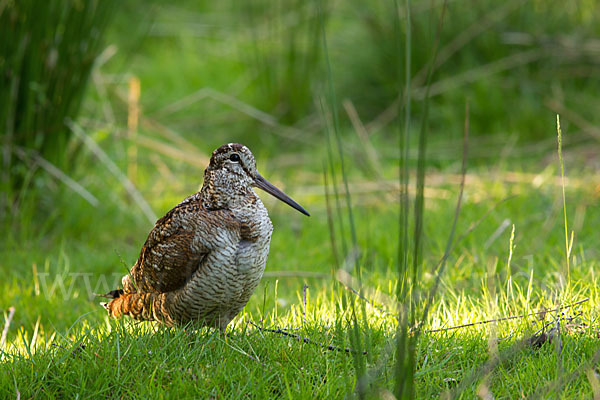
<point>562,176</point>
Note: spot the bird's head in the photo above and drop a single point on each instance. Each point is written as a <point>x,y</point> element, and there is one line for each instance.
<point>232,173</point>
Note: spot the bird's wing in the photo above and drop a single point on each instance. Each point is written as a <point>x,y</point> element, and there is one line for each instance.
<point>177,245</point>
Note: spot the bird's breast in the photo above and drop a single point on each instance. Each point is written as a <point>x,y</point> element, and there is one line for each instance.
<point>231,271</point>
<point>253,249</point>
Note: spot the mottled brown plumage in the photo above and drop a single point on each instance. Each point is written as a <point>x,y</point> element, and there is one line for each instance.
<point>205,257</point>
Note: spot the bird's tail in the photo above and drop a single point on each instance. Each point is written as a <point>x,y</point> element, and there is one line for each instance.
<point>140,306</point>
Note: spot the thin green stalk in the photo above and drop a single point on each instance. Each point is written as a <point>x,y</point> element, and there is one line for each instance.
<point>330,222</point>
<point>420,197</point>
<point>562,175</point>
<point>360,361</point>
<point>404,372</point>
<point>404,153</point>
<point>450,242</point>
<point>336,129</point>
<point>405,387</point>
<point>336,193</point>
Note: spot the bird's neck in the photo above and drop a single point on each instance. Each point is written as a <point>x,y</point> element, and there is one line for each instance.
<point>218,193</point>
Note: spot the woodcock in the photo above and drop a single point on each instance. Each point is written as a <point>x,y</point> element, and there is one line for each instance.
<point>205,257</point>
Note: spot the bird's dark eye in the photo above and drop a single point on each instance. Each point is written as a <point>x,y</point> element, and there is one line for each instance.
<point>234,157</point>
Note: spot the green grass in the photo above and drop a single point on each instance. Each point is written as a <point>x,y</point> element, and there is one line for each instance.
<point>62,344</point>
<point>121,358</point>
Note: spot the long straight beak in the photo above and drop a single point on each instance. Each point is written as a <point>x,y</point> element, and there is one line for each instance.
<point>268,187</point>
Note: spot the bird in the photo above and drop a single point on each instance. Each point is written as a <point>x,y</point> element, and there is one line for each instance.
<point>203,260</point>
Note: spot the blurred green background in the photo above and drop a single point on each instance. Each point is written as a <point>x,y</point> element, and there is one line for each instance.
<point>86,167</point>
<point>255,73</point>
